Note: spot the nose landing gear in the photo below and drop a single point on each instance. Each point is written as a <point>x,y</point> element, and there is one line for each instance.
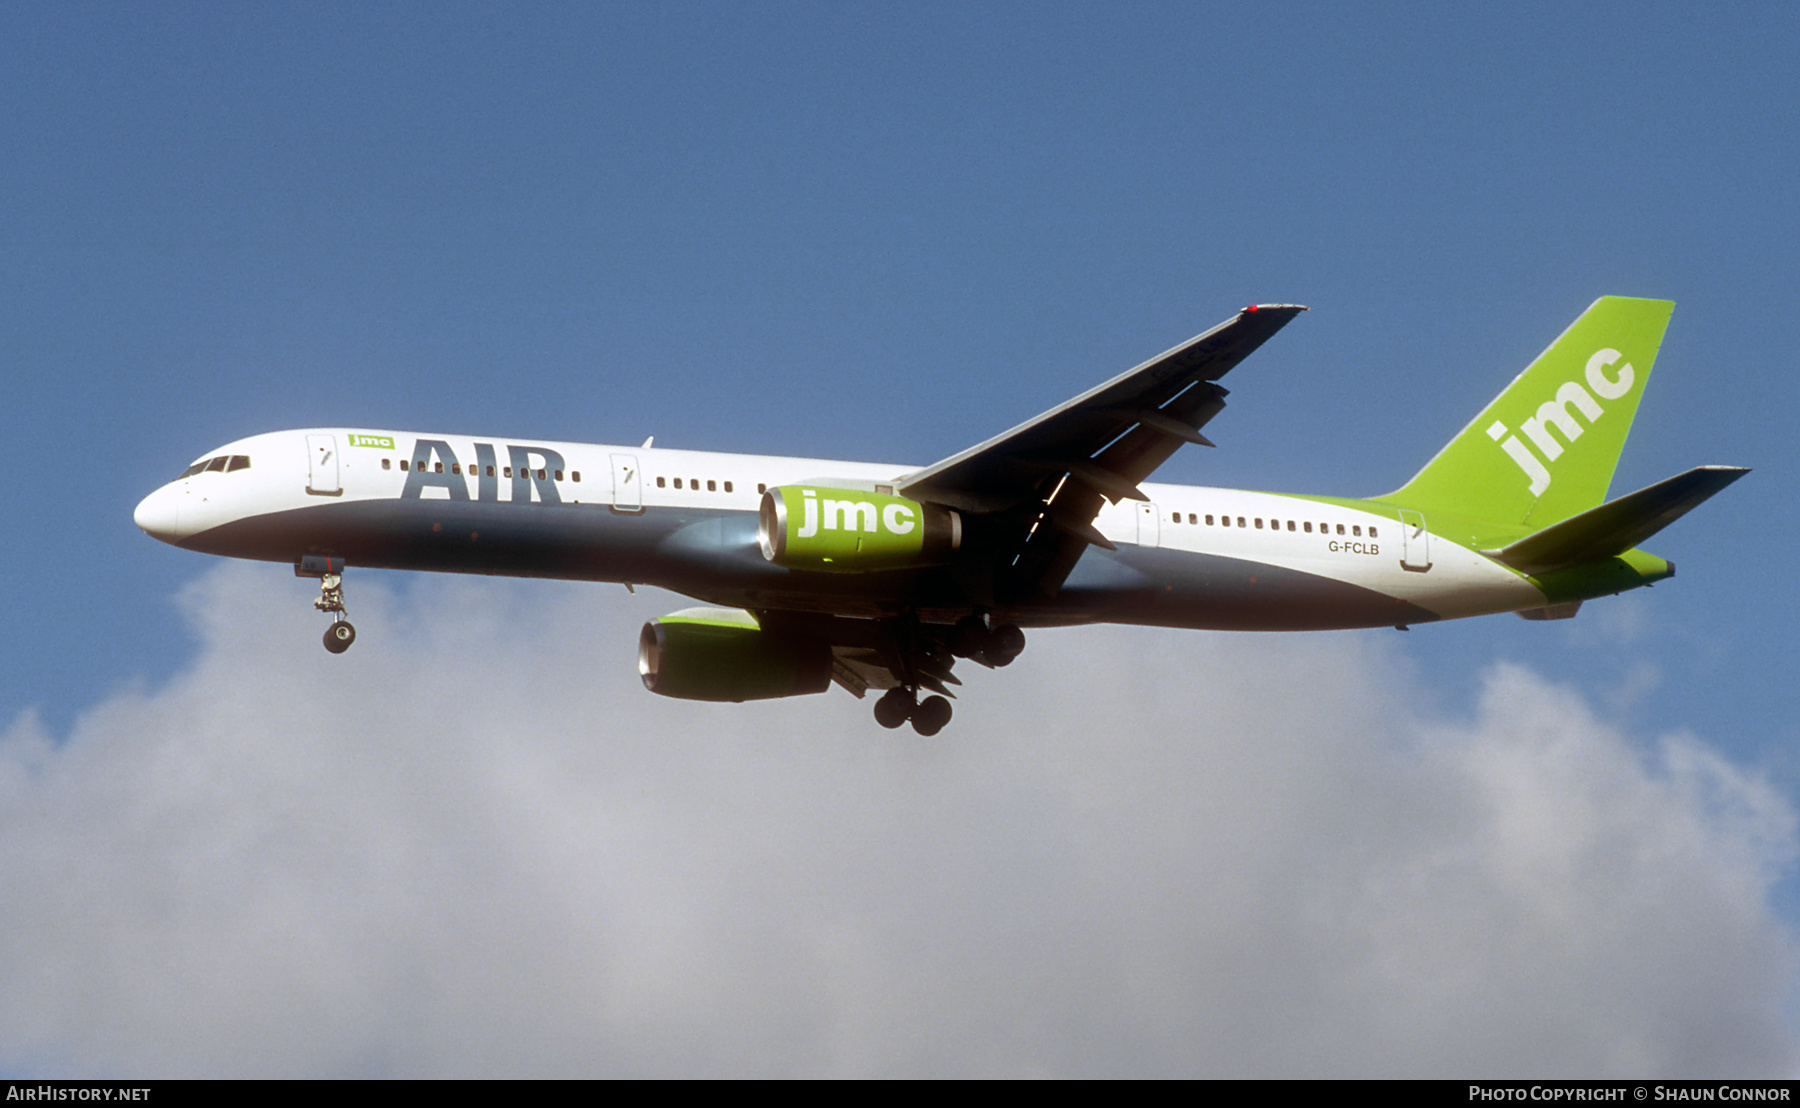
<point>330,572</point>
<point>339,636</point>
<point>341,633</point>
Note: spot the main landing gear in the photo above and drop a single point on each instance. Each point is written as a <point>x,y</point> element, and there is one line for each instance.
<point>920,662</point>
<point>330,572</point>
<point>928,716</point>
<point>995,647</point>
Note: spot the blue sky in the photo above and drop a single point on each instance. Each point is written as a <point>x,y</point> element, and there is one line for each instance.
<point>880,233</point>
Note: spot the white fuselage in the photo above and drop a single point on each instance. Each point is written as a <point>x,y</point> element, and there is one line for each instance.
<point>1189,556</point>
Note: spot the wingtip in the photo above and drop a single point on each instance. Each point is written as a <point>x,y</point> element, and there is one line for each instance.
<point>1277,308</point>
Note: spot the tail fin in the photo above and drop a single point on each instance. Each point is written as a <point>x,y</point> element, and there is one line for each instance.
<point>1546,448</point>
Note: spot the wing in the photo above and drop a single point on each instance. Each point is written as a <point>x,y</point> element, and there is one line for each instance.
<point>1040,485</point>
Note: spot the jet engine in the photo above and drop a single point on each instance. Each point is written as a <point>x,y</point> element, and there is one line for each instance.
<point>724,654</point>
<point>848,531</point>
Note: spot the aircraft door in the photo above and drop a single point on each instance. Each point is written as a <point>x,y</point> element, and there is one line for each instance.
<point>322,466</point>
<point>628,484</point>
<point>1415,542</point>
<point>1149,524</point>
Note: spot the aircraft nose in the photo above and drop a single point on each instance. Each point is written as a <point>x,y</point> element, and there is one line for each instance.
<point>159,514</point>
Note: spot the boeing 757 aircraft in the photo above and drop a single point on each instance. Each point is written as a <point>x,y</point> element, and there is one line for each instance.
<point>879,577</point>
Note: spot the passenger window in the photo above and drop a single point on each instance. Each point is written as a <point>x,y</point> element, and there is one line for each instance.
<point>677,482</point>
<point>559,475</point>
<point>728,486</point>
<point>1307,527</point>
<point>490,471</point>
<point>1192,519</point>
<point>505,471</point>
<point>761,488</point>
<point>402,465</point>
<point>1224,521</point>
<point>387,463</point>
<point>1290,525</point>
<point>1340,528</point>
<point>1240,521</point>
<point>438,468</point>
<point>661,483</point>
<point>1371,532</point>
<point>1174,517</point>
<point>1259,523</point>
<point>712,486</point>
<point>1209,521</point>
<point>456,468</point>
<point>576,476</point>
<point>1356,530</point>
<point>694,483</point>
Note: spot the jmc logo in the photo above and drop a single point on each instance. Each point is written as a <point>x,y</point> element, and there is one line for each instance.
<point>853,515</point>
<point>850,531</point>
<point>1555,413</point>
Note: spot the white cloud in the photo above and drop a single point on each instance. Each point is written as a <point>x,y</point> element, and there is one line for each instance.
<point>475,845</point>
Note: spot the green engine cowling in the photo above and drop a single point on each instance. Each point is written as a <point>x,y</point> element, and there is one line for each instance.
<point>850,531</point>
<point>723,654</point>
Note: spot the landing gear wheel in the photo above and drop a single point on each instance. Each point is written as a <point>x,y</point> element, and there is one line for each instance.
<point>1004,644</point>
<point>339,636</point>
<point>969,637</point>
<point>894,708</point>
<point>330,600</point>
<point>931,715</point>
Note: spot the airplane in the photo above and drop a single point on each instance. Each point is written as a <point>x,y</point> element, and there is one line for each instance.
<point>880,577</point>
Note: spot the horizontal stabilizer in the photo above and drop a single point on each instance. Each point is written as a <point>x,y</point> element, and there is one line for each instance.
<point>1618,525</point>
<point>1565,610</point>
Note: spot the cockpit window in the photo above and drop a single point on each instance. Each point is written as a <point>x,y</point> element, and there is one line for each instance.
<point>224,463</point>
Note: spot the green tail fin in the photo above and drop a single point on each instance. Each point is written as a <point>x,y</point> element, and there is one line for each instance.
<point>1546,448</point>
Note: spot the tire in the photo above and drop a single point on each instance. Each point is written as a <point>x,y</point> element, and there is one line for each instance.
<point>339,636</point>
<point>969,637</point>
<point>893,709</point>
<point>931,715</point>
<point>1007,643</point>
